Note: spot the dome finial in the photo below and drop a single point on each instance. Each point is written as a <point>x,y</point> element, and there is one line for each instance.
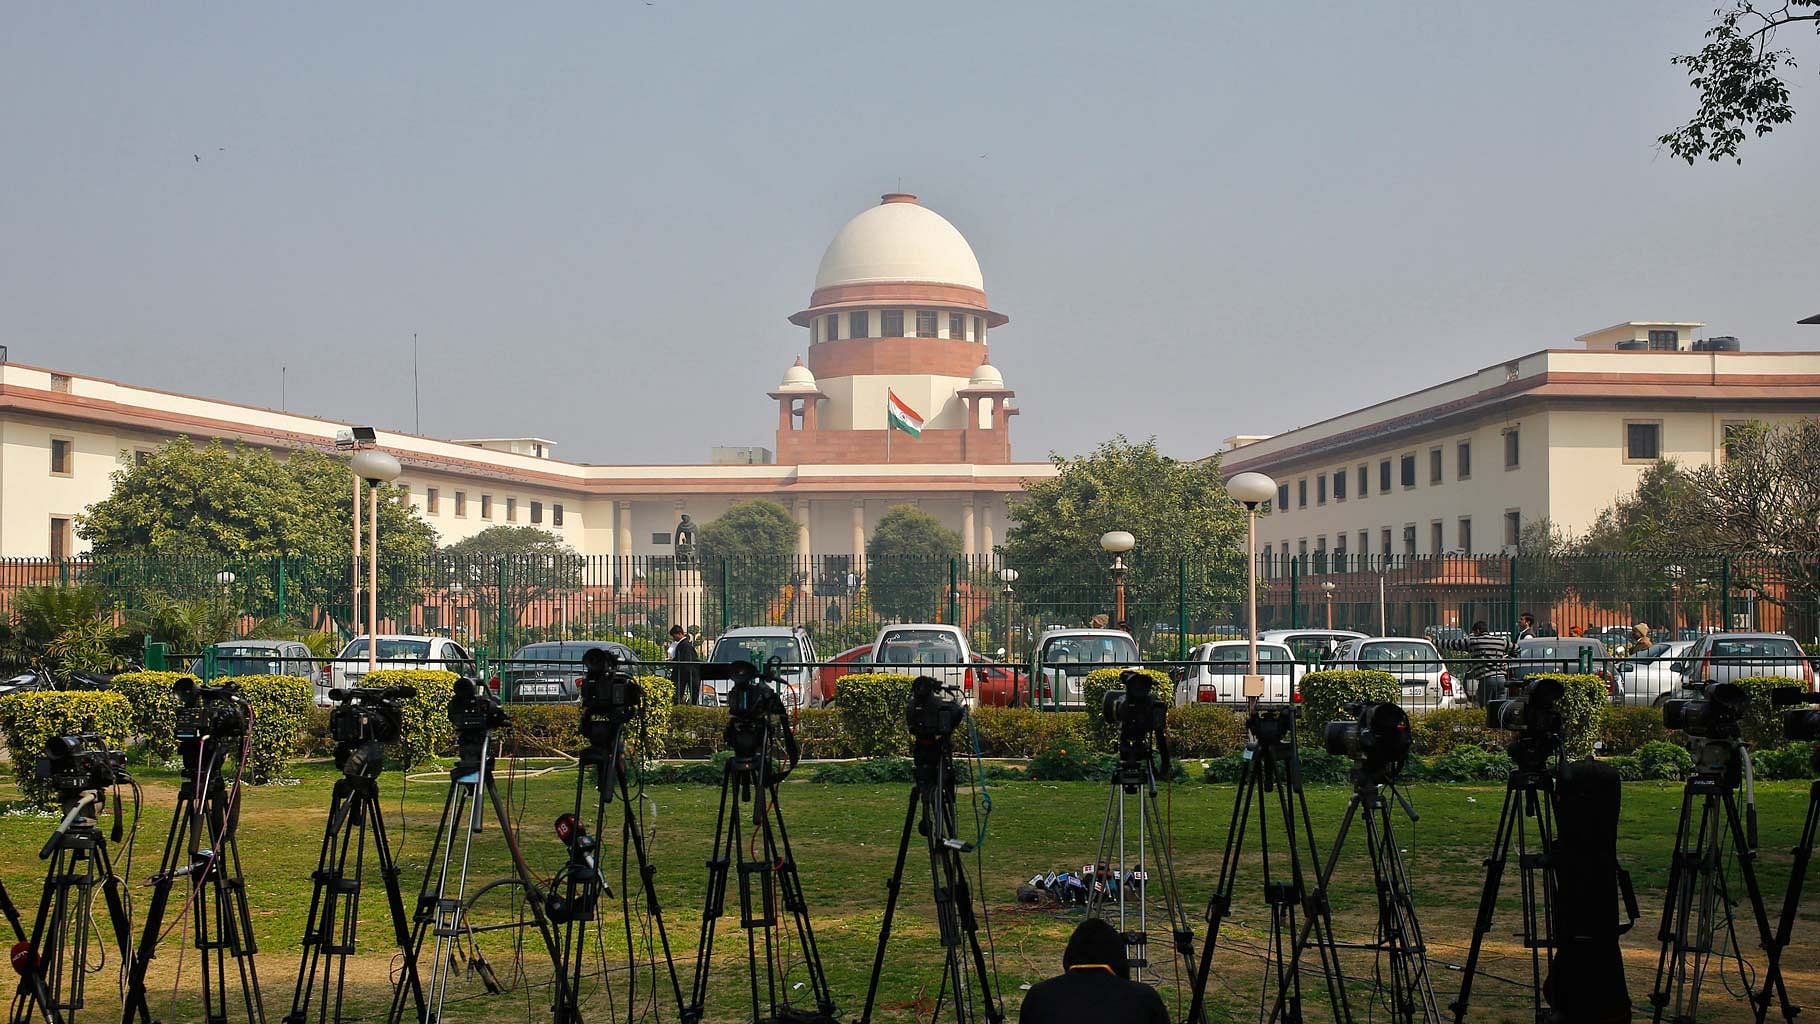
<point>897,197</point>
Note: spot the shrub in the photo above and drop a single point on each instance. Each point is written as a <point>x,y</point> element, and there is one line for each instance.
<point>546,728</point>
<point>30,719</point>
<point>702,773</point>
<point>1762,725</point>
<point>1660,759</point>
<point>819,734</point>
<point>315,741</point>
<point>1628,769</point>
<point>648,737</point>
<point>1787,761</point>
<point>1467,764</point>
<point>876,769</point>
<point>281,708</point>
<point>1101,733</point>
<point>696,731</point>
<point>1205,730</point>
<point>154,700</point>
<point>1626,729</point>
<point>871,706</point>
<point>1023,732</point>
<point>426,730</point>
<point>1584,702</point>
<point>1443,729</point>
<point>1324,694</point>
<point>1064,761</point>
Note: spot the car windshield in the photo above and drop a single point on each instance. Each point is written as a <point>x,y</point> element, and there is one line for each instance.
<point>562,654</point>
<point>1310,648</point>
<point>1106,650</point>
<point>391,650</point>
<point>919,647</point>
<point>1402,653</point>
<point>756,649</point>
<point>1762,647</point>
<point>1652,652</point>
<point>252,661</point>
<point>1240,654</point>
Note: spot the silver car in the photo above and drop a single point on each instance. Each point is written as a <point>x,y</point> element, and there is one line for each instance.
<point>790,645</point>
<point>1728,657</point>
<point>1065,657</point>
<point>1415,662</point>
<point>1649,677</point>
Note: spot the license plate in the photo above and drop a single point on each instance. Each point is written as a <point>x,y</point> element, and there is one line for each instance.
<point>539,689</point>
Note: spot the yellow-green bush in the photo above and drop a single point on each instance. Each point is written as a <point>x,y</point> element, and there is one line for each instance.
<point>696,731</point>
<point>1442,730</point>
<point>1627,729</point>
<point>540,729</point>
<point>871,706</point>
<point>1324,694</point>
<point>649,737</point>
<point>153,696</point>
<point>1021,732</point>
<point>1584,701</point>
<point>1205,730</point>
<point>30,719</point>
<point>1102,734</point>
<point>1762,725</point>
<point>426,732</point>
<point>818,733</point>
<point>281,709</point>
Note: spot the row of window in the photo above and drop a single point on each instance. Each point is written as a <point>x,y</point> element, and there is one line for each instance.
<point>1334,484</point>
<point>858,324</point>
<point>432,505</point>
<point>1437,542</point>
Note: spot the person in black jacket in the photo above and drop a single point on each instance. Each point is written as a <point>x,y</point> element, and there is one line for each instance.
<point>683,660</point>
<point>1095,985</point>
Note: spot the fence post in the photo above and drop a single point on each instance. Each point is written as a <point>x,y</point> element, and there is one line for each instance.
<point>63,571</point>
<point>954,592</point>
<point>1181,610</point>
<point>499,627</point>
<point>726,604</point>
<point>1512,610</point>
<point>281,594</point>
<point>1295,607</point>
<point>1725,592</point>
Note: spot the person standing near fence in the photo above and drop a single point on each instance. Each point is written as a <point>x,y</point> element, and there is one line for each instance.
<point>683,659</point>
<point>1526,626</point>
<point>1490,661</point>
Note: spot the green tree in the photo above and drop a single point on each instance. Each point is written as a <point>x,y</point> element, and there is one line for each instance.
<point>1177,511</point>
<point>530,563</point>
<point>187,512</point>
<point>1738,75</point>
<point>751,547</point>
<point>907,564</point>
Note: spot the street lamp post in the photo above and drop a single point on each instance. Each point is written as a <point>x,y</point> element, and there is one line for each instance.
<point>378,469</point>
<point>1116,543</point>
<point>226,579</point>
<point>1327,592</point>
<point>1252,490</point>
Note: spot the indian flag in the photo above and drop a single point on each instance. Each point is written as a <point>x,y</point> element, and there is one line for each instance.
<point>900,416</point>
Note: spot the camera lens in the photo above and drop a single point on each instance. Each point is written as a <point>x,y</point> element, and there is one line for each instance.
<point>1801,726</point>
<point>1342,738</point>
<point>1110,705</point>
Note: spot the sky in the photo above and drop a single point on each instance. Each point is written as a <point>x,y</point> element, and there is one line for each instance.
<point>1203,219</point>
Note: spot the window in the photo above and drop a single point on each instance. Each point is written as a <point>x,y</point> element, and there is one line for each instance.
<point>1364,543</point>
<point>60,456</point>
<point>1436,542</point>
<point>536,511</point>
<point>891,323</point>
<point>139,457</point>
<point>979,329</point>
<point>1301,549</point>
<point>1664,341</point>
<point>1734,434</point>
<point>859,324</point>
<point>60,383</point>
<point>537,450</point>
<point>1384,542</point>
<point>1364,481</point>
<point>1409,541</point>
<point>925,323</point>
<point>1407,470</point>
<point>1642,440</point>
<point>662,540</point>
<point>1339,552</point>
<point>1464,536</point>
<point>461,503</point>
<point>511,510</point>
<point>486,506</point>
<point>1513,447</point>
<point>432,500</point>
<point>957,327</point>
<point>1339,485</point>
<point>1269,553</point>
<point>1384,477</point>
<point>831,327</point>
<point>1434,465</point>
<point>1462,461</point>
<point>1320,489</point>
<point>1320,554</point>
<point>1282,497</point>
<point>1513,527</point>
<point>556,514</point>
<point>1301,493</point>
<point>60,538</point>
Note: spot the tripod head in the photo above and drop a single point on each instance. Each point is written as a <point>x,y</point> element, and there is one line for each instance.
<point>609,698</point>
<point>204,714</point>
<point>474,712</point>
<point>83,768</point>
<point>755,707</point>
<point>1273,727</point>
<point>1142,719</point>
<point>932,715</point>
<point>363,722</point>
<point>1376,737</point>
<point>1534,714</point>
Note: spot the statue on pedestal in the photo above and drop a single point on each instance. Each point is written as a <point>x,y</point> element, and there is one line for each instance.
<point>685,543</point>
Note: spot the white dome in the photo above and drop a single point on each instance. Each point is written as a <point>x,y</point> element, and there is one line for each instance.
<point>797,379</point>
<point>986,376</point>
<point>899,240</point>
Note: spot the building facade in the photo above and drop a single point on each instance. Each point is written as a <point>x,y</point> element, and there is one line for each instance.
<point>1462,467</point>
<point>898,308</point>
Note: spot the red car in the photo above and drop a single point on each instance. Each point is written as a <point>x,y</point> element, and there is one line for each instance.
<point>995,684</point>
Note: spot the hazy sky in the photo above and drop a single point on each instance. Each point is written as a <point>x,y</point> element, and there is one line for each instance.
<point>1203,219</point>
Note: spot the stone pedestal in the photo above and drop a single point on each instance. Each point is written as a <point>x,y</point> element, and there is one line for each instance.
<point>688,604</point>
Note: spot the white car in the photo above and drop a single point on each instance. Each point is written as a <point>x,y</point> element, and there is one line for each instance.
<point>1649,677</point>
<point>926,649</point>
<point>396,651</point>
<point>1219,668</point>
<point>1415,662</point>
<point>790,645</point>
<point>1311,646</point>
<point>1065,657</point>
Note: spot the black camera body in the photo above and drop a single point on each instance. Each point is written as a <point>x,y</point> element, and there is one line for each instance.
<point>474,712</point>
<point>74,764</point>
<point>217,712</point>
<point>1141,719</point>
<point>753,703</point>
<point>362,723</point>
<point>1272,727</point>
<point>1716,715</point>
<point>1534,713</point>
<point>1376,737</point>
<point>1803,724</point>
<point>930,716</point>
<point>609,696</point>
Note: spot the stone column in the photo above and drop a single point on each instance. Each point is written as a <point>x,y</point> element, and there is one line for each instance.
<point>783,413</point>
<point>988,540</point>
<point>803,507</point>
<point>969,535</point>
<point>859,532</point>
<point>622,542</point>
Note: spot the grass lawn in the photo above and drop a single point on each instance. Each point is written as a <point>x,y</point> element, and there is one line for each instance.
<point>845,837</point>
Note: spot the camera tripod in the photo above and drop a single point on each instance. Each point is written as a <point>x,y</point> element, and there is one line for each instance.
<point>334,916</point>
<point>444,916</point>
<point>1136,777</point>
<point>1272,765</point>
<point>202,847</point>
<point>932,794</point>
<point>1791,901</point>
<point>576,890</point>
<point>53,965</point>
<point>767,867</point>
<point>1698,901</point>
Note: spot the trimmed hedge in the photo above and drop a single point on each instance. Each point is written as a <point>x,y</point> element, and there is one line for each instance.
<point>281,709</point>
<point>1205,730</point>
<point>695,731</point>
<point>1762,725</point>
<point>426,731</point>
<point>1324,694</point>
<point>819,734</point>
<point>1627,729</point>
<point>871,706</point>
<point>1659,759</point>
<point>1022,732</point>
<point>540,729</point>
<point>1101,733</point>
<point>1445,729</point>
<point>153,696</point>
<point>31,719</point>
<point>1584,701</point>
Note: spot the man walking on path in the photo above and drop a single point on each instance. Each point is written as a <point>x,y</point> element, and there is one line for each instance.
<point>683,658</point>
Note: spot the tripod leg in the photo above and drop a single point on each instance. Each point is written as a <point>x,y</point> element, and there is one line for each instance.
<point>1677,905</point>
<point>892,887</point>
<point>1747,858</point>
<point>1488,898</point>
<point>1220,903</point>
<point>530,885</point>
<point>424,914</point>
<point>1791,903</point>
<point>175,847</point>
<point>1181,933</point>
<point>237,936</point>
<point>798,905</point>
<point>1110,834</point>
<point>720,855</point>
<point>318,928</point>
<point>1323,874</point>
<point>34,986</point>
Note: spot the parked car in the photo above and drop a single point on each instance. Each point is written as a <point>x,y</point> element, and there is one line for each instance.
<point>551,672</point>
<point>1649,677</point>
<point>1065,657</point>
<point>1727,657</point>
<point>790,645</point>
<point>1218,672</point>
<point>1543,654</point>
<point>1310,646</point>
<point>1415,662</point>
<point>257,658</point>
<point>932,649</point>
<point>1446,638</point>
<point>827,678</point>
<point>396,651</point>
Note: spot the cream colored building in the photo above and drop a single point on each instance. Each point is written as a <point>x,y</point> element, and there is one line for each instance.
<point>1556,434</point>
<point>898,304</point>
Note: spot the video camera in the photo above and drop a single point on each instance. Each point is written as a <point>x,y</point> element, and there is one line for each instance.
<point>217,712</point>
<point>1272,727</point>
<point>474,710</point>
<point>362,722</point>
<point>1376,737</point>
<point>80,762</point>
<point>1535,712</point>
<point>1803,725</point>
<point>1140,716</point>
<point>930,716</point>
<point>1717,715</point>
<point>607,691</point>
